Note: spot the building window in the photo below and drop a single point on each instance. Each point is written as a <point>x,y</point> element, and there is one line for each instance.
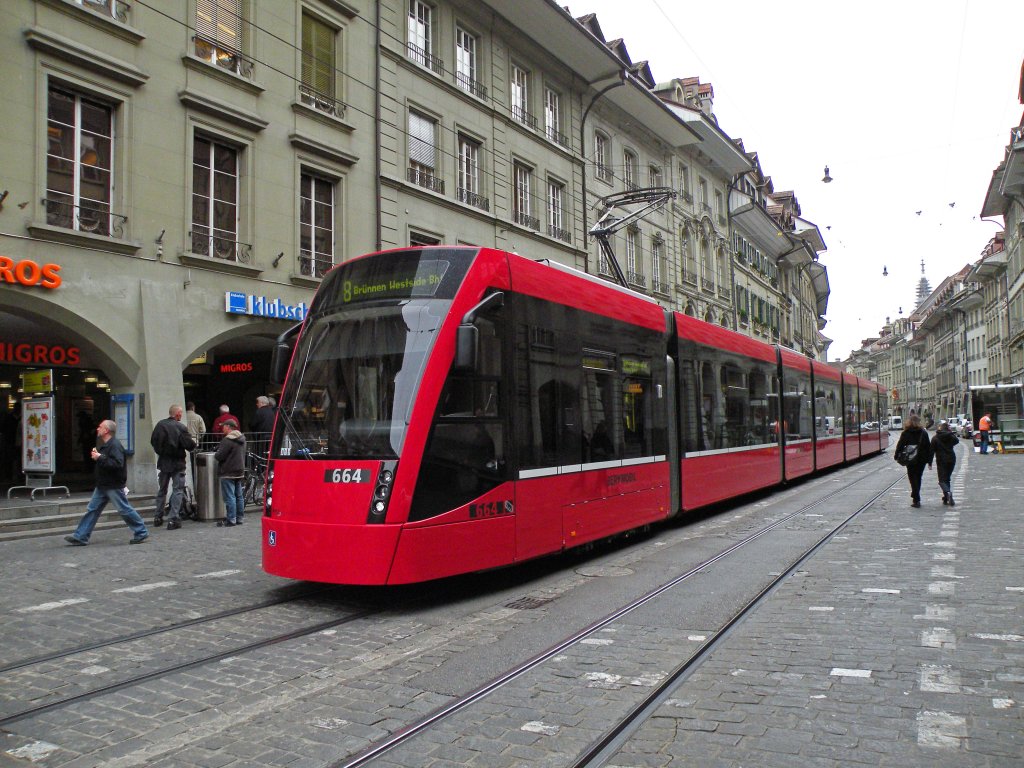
<point>79,164</point>
<point>654,176</point>
<point>556,207</point>
<point>423,153</point>
<point>684,182</point>
<point>659,265</point>
<point>469,173</point>
<point>319,61</point>
<point>316,225</point>
<point>419,239</point>
<point>522,198</point>
<point>702,185</point>
<point>719,208</point>
<point>634,262</point>
<point>218,36</point>
<point>521,97</point>
<point>215,201</point>
<point>466,73</point>
<point>420,45</point>
<point>601,169</point>
<point>630,170</point>
<point>553,117</point>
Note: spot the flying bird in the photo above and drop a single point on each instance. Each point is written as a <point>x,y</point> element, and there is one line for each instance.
<point>918,213</point>
<point>952,204</point>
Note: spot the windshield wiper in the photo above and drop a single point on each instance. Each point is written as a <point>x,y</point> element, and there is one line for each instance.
<point>294,432</point>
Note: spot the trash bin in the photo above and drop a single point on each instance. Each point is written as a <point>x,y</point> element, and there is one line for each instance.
<point>207,486</point>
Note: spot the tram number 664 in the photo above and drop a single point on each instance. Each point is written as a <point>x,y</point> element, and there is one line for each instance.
<point>347,476</point>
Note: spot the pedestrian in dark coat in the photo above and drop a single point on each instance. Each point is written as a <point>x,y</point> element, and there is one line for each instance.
<point>111,476</point>
<point>263,419</point>
<point>915,434</point>
<point>945,459</point>
<point>230,458</point>
<point>171,442</point>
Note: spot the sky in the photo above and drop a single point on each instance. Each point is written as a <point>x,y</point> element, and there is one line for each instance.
<point>909,103</point>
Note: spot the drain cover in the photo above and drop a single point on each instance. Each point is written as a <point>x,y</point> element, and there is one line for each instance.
<point>529,603</point>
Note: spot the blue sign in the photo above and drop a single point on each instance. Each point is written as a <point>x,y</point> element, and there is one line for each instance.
<point>238,303</point>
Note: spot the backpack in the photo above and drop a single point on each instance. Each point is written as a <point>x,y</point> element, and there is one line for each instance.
<point>907,454</point>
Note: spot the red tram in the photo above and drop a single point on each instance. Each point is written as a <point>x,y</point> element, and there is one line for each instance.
<point>449,410</point>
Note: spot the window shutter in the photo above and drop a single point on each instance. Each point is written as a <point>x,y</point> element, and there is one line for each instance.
<point>421,140</point>
<point>318,56</point>
<point>220,21</point>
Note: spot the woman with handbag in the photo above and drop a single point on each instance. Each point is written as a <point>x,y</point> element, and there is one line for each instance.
<point>914,451</point>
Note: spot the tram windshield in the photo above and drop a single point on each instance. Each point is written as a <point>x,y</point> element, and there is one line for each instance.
<point>359,361</point>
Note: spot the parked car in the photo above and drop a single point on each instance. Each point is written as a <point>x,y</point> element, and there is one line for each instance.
<point>896,424</point>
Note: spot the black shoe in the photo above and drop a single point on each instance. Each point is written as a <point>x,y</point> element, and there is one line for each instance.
<point>230,523</point>
<point>915,504</point>
<point>945,499</point>
<point>158,521</point>
<point>238,522</point>
<point>173,525</point>
<point>951,502</point>
<point>74,542</point>
<point>139,539</point>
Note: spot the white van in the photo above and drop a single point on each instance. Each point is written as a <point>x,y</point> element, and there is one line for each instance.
<point>895,423</point>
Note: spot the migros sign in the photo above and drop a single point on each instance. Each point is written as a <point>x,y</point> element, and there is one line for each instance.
<point>26,272</point>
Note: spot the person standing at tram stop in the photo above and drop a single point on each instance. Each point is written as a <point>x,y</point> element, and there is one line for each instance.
<point>171,441</point>
<point>194,422</point>
<point>111,476</point>
<point>945,459</point>
<point>915,434</point>
<point>230,458</point>
<point>985,427</point>
<point>224,415</point>
<point>262,423</point>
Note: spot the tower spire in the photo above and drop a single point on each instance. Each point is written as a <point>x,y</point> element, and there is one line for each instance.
<point>924,288</point>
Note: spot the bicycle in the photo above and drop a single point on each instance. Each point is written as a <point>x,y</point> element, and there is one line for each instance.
<point>255,478</point>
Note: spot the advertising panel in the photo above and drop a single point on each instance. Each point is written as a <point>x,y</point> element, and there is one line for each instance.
<point>37,435</point>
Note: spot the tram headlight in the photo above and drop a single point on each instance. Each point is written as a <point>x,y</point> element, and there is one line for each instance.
<point>382,492</point>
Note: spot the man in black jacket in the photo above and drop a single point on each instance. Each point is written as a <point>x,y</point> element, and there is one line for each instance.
<point>171,441</point>
<point>111,475</point>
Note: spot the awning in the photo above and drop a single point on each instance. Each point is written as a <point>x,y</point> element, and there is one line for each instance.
<point>819,281</point>
<point>763,229</point>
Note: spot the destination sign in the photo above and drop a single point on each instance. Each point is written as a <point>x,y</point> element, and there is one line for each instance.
<point>416,273</point>
<point>424,283</point>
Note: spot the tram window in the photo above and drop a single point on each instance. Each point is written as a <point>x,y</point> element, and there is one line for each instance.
<point>850,414</point>
<point>796,405</point>
<point>602,439</point>
<point>465,452</point>
<point>688,411</point>
<point>637,403</point>
<point>827,419</point>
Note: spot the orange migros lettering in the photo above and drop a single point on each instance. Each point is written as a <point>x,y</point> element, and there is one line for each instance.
<point>26,272</point>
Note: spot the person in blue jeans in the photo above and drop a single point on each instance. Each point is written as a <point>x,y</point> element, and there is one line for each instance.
<point>230,457</point>
<point>111,476</point>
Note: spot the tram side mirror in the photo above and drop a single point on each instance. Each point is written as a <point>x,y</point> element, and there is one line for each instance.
<point>282,355</point>
<point>467,341</point>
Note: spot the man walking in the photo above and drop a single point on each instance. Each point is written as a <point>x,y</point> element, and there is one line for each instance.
<point>111,476</point>
<point>171,441</point>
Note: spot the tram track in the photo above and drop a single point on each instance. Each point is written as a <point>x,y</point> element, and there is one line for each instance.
<point>182,666</point>
<point>408,734</point>
<point>153,631</point>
